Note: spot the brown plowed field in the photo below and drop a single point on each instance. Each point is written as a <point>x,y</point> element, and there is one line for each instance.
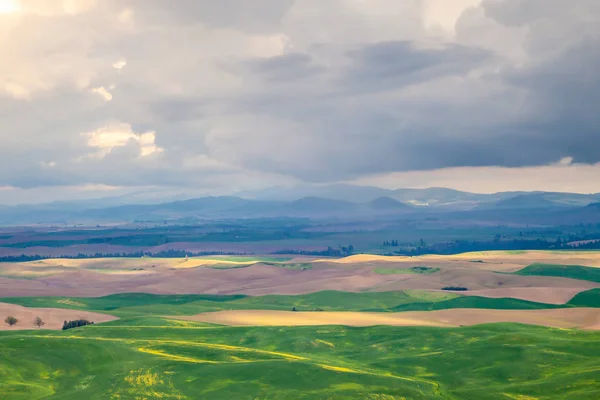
<point>484,274</point>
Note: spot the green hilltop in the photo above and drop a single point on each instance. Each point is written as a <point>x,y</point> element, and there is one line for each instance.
<point>562,271</point>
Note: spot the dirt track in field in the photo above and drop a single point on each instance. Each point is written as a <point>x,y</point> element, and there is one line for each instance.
<point>583,318</point>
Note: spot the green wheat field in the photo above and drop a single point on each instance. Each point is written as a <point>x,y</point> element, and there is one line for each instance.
<point>143,356</point>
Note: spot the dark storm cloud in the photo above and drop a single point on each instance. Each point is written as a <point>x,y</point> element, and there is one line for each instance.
<point>534,113</point>
<point>566,93</point>
<point>391,65</point>
<point>285,68</point>
<point>179,109</point>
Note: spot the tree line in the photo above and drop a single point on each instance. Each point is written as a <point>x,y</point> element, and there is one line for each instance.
<point>135,254</point>
<point>465,246</point>
<point>340,251</point>
<point>39,322</point>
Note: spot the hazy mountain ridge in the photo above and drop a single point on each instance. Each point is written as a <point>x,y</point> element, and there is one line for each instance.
<point>545,200</point>
<point>340,204</point>
<point>430,197</point>
<point>388,203</point>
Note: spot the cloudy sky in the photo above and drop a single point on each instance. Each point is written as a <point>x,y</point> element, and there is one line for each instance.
<point>101,97</point>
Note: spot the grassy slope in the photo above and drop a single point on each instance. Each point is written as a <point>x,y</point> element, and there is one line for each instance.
<point>130,305</point>
<point>589,298</point>
<point>127,360</point>
<point>116,301</point>
<point>476,302</point>
<point>124,305</point>
<point>563,271</point>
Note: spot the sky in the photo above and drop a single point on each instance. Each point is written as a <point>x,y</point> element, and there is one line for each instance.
<point>104,97</point>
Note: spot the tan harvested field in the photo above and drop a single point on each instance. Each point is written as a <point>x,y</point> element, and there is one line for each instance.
<point>53,317</point>
<point>587,258</point>
<point>476,271</point>
<point>501,261</point>
<point>261,279</point>
<point>55,266</point>
<point>583,318</point>
<point>291,318</point>
<point>362,258</point>
<point>490,284</point>
<point>255,280</point>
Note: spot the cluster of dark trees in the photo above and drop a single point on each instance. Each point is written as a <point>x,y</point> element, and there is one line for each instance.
<point>340,251</point>
<point>316,309</point>
<point>395,243</point>
<point>456,288</point>
<point>76,323</point>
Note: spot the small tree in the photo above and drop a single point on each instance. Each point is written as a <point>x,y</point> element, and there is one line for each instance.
<point>11,321</point>
<point>38,322</point>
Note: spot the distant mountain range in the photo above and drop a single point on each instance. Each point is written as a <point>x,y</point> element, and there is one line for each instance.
<point>431,197</point>
<point>226,207</point>
<point>322,202</point>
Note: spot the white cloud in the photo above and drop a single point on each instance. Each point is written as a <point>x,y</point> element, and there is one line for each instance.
<point>566,161</point>
<point>119,64</point>
<point>102,92</point>
<point>105,139</point>
<point>79,6</point>
<point>17,91</point>
<point>50,51</point>
<point>50,8</point>
<point>9,6</point>
<point>443,14</point>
